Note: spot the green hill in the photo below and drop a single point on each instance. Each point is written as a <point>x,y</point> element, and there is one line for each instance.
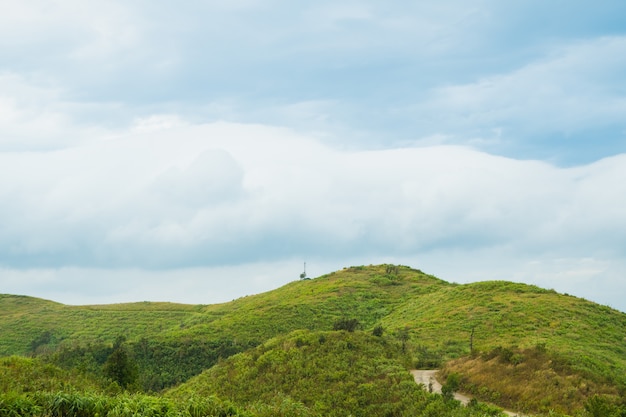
<point>433,321</point>
<point>30,324</point>
<point>366,293</point>
<point>492,314</point>
<point>369,293</point>
<point>332,373</point>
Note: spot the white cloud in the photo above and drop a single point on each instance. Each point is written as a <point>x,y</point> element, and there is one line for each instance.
<point>81,30</point>
<point>572,89</point>
<point>241,192</point>
<point>34,116</point>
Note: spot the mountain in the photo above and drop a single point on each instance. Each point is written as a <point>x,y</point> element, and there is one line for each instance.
<point>530,333</point>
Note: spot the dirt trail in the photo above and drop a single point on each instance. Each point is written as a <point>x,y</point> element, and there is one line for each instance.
<point>427,377</point>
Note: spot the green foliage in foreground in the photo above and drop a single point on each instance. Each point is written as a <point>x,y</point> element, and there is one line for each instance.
<point>31,388</point>
<point>71,404</point>
<point>23,375</point>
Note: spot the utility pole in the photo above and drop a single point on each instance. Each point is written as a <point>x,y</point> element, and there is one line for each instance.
<point>303,275</point>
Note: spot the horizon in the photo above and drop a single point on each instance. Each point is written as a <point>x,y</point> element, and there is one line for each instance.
<point>299,278</point>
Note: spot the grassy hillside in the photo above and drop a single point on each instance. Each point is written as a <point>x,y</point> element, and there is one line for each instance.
<point>366,293</point>
<point>20,375</point>
<point>432,320</point>
<point>28,324</point>
<point>550,382</point>
<point>517,315</point>
<point>333,373</point>
<point>369,293</point>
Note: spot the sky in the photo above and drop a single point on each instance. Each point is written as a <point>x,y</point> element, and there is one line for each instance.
<point>201,151</point>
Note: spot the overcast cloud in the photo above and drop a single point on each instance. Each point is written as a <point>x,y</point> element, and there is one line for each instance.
<point>204,151</point>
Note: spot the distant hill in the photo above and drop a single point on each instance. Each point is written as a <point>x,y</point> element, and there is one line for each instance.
<point>434,322</point>
<point>367,293</point>
<point>29,325</point>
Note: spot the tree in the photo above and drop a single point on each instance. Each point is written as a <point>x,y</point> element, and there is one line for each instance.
<point>598,406</point>
<point>451,386</point>
<point>347,324</point>
<point>43,339</point>
<point>119,366</point>
<point>403,335</point>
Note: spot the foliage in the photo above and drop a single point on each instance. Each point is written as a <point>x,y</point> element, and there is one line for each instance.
<point>322,374</point>
<point>72,404</point>
<point>331,373</point>
<point>601,406</point>
<point>119,366</point>
<point>159,363</point>
<point>453,381</point>
<point>550,382</point>
<point>20,375</point>
<point>349,325</point>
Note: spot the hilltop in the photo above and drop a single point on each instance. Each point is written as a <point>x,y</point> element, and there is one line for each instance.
<point>435,323</point>
<point>369,293</point>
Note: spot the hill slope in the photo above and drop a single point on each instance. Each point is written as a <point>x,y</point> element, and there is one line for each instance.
<point>332,373</point>
<point>434,321</point>
<point>369,293</point>
<point>28,324</point>
<point>499,313</point>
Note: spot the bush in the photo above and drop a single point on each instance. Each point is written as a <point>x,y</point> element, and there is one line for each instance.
<point>451,386</point>
<point>349,325</point>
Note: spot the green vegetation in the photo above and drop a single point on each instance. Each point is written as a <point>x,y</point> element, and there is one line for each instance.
<point>21,375</point>
<point>332,373</point>
<point>551,383</point>
<point>496,314</point>
<point>491,334</point>
<point>32,388</point>
<point>35,326</point>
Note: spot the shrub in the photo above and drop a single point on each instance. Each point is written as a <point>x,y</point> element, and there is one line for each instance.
<point>349,325</point>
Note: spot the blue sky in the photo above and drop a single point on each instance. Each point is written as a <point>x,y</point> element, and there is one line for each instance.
<point>203,151</point>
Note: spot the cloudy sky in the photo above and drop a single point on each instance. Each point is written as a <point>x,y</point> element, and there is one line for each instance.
<point>200,151</point>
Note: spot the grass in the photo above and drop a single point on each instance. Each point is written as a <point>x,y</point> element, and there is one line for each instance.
<point>550,382</point>
<point>509,314</point>
<point>28,323</point>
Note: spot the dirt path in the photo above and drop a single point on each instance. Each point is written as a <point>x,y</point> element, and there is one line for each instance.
<point>427,377</point>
